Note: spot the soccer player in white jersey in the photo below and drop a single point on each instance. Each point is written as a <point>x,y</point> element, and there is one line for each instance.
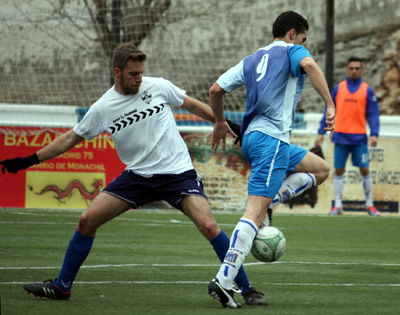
<point>136,112</point>
<point>274,77</point>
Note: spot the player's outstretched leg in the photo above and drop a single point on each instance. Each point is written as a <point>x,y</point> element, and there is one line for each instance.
<point>60,289</point>
<point>197,209</point>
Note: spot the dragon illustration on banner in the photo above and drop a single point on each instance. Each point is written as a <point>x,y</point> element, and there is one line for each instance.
<point>61,194</point>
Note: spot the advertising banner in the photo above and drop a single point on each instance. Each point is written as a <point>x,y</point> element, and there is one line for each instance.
<point>71,180</point>
<point>226,173</point>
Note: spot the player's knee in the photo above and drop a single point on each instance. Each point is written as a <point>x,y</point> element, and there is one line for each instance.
<point>364,171</point>
<point>210,229</point>
<point>339,171</point>
<point>323,172</point>
<point>86,224</point>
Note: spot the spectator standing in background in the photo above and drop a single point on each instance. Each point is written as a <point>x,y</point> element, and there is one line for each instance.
<point>356,104</point>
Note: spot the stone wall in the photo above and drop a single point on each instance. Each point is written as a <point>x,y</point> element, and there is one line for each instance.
<point>47,58</point>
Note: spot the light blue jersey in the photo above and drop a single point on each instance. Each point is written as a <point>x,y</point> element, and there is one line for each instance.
<point>274,81</point>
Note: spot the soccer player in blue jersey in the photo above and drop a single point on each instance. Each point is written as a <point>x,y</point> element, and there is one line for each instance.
<point>274,77</point>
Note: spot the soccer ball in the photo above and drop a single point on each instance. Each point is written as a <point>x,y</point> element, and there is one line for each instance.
<point>269,244</point>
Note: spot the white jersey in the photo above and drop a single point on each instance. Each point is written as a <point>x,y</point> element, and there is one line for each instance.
<point>142,126</point>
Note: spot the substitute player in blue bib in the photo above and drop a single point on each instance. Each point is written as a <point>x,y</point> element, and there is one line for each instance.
<point>137,113</point>
<point>274,78</point>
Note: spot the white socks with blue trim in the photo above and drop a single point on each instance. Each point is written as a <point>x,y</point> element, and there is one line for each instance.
<point>240,245</point>
<point>293,185</point>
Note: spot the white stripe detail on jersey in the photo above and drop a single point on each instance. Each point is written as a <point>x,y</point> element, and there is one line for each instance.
<point>289,102</point>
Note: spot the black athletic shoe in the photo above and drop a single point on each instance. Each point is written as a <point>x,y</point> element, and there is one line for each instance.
<point>269,214</point>
<point>225,297</point>
<point>46,289</point>
<point>253,297</point>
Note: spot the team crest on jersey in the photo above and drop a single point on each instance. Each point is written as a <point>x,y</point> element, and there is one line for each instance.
<point>146,97</point>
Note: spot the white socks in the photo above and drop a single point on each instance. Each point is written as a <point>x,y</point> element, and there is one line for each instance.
<point>293,185</point>
<point>240,245</point>
<point>367,185</point>
<point>296,183</point>
<point>338,182</point>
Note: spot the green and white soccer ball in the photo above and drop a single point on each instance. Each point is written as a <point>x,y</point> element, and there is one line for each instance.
<point>269,244</point>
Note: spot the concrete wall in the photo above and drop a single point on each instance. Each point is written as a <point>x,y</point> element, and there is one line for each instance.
<point>47,58</point>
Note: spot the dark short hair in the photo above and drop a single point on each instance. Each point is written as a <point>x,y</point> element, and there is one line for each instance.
<point>125,52</point>
<point>354,59</point>
<point>287,21</point>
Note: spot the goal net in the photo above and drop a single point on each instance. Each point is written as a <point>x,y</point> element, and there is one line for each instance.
<point>59,52</point>
<point>55,60</point>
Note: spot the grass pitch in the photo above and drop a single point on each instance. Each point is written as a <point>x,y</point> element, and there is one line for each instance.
<point>156,262</point>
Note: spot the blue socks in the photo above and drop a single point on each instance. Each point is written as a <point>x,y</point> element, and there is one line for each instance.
<point>80,246</point>
<point>221,246</point>
<point>78,249</point>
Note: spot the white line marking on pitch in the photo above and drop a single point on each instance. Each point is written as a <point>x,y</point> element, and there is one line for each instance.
<point>205,265</point>
<point>206,282</point>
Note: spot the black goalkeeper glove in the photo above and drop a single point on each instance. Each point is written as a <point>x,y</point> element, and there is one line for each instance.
<point>236,129</point>
<point>19,163</point>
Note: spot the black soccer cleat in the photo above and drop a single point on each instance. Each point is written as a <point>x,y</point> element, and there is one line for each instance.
<point>269,214</point>
<point>253,297</point>
<point>225,297</point>
<point>46,289</point>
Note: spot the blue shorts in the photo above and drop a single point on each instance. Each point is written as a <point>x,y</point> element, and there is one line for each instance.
<point>296,154</point>
<point>359,155</point>
<point>269,159</point>
<point>171,188</point>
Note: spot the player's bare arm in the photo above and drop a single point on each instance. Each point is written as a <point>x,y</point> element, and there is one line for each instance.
<point>221,127</point>
<point>330,120</point>
<point>59,145</point>
<point>202,110</point>
<point>198,108</point>
<point>318,82</point>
